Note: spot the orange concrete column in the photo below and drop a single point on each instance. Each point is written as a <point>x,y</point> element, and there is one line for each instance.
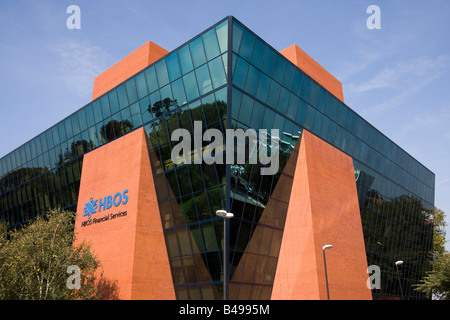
<point>312,68</point>
<point>118,215</point>
<point>139,59</point>
<point>323,209</point>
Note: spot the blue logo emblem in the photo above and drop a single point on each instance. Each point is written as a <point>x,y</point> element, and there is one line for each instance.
<point>93,206</point>
<point>90,208</point>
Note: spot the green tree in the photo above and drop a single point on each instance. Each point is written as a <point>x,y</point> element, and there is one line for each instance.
<point>34,260</point>
<point>436,283</point>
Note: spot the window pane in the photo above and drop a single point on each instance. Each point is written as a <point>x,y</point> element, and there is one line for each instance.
<point>122,96</point>
<point>252,80</point>
<point>263,87</point>
<point>217,72</point>
<point>278,71</point>
<point>197,52</point>
<point>89,116</point>
<point>258,53</point>
<point>178,92</point>
<point>203,79</point>
<point>173,67</point>
<point>97,111</point>
<point>141,85</point>
<point>211,44</point>
<point>82,120</point>
<point>237,35</point>
<point>190,84</point>
<point>161,73</point>
<point>75,124</point>
<point>222,36</point>
<point>274,92</point>
<point>144,105</point>
<point>150,76</point>
<point>136,114</point>
<point>113,101</point>
<point>105,106</point>
<point>268,61</point>
<point>184,55</point>
<point>245,51</point>
<point>283,100</point>
<point>131,91</point>
<point>240,73</point>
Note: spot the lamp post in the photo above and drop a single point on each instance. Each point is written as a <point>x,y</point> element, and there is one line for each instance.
<point>226,217</point>
<point>397,263</point>
<point>328,246</point>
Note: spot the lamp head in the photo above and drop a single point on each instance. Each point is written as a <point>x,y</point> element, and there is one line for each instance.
<point>399,262</point>
<point>224,214</point>
<point>221,213</point>
<point>328,246</point>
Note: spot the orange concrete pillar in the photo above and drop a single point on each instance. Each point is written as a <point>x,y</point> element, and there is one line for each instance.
<point>323,209</point>
<point>118,215</point>
<point>139,59</point>
<point>312,68</point>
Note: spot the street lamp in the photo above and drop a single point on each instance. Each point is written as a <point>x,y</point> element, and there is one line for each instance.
<point>397,263</point>
<point>328,246</point>
<point>226,217</point>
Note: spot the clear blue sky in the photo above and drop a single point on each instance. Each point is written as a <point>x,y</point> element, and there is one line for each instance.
<point>397,77</point>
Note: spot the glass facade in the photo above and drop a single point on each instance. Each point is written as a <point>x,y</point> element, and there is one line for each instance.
<point>227,77</point>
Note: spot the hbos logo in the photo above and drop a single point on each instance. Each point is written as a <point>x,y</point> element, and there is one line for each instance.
<point>105,203</point>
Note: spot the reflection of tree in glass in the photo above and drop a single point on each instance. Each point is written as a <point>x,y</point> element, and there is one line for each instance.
<point>397,229</point>
<point>114,129</point>
<point>162,106</point>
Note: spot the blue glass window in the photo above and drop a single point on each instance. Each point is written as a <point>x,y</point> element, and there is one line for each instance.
<point>96,108</point>
<point>89,116</point>
<point>122,95</point>
<point>75,124</point>
<point>211,44</point>
<point>217,72</point>
<point>240,72</point>
<point>190,85</point>
<point>237,36</point>
<point>173,66</point>
<point>268,61</point>
<point>150,76</point>
<point>263,87</point>
<point>246,109</point>
<point>283,100</point>
<point>274,93</point>
<point>131,91</point>
<point>278,70</point>
<point>141,85</point>
<point>292,106</point>
<point>301,113</point>
<point>184,55</point>
<point>251,84</point>
<point>197,52</point>
<point>82,120</point>
<point>178,92</point>
<point>246,48</point>
<point>305,88</point>
<point>161,73</point>
<point>222,36</point>
<point>258,53</point>
<point>203,79</point>
<point>113,101</point>
<point>297,82</point>
<point>105,106</point>
<point>144,105</point>
<point>136,114</point>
